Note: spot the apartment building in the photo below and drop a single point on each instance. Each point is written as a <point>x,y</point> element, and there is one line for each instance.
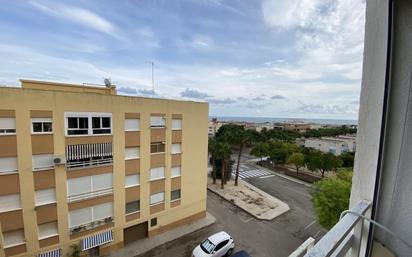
<point>335,145</point>
<point>82,166</point>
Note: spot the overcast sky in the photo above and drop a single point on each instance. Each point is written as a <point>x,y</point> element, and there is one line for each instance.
<point>269,58</point>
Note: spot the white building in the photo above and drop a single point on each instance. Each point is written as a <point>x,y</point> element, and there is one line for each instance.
<point>335,145</point>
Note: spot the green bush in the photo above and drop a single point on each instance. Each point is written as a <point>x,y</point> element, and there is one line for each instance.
<point>331,198</point>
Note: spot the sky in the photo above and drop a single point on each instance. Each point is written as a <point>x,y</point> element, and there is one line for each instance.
<point>261,58</point>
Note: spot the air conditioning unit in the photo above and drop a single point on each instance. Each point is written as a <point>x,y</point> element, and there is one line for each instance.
<point>59,160</point>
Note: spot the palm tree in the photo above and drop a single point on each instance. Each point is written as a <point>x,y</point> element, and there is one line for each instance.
<point>240,138</point>
<point>224,154</point>
<point>213,147</point>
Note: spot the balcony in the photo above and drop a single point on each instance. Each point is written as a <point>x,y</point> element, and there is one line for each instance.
<point>91,225</point>
<point>89,195</point>
<point>343,238</point>
<point>86,164</point>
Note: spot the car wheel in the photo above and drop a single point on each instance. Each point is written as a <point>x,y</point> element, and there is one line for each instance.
<point>229,252</point>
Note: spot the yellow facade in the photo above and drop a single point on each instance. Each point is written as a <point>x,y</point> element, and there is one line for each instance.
<point>41,99</point>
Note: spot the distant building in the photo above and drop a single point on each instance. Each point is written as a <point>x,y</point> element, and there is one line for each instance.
<point>335,145</point>
<point>297,126</point>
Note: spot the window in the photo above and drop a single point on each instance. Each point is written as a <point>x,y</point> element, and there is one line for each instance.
<point>132,153</point>
<point>131,125</point>
<point>13,238</point>
<point>176,148</point>
<point>132,180</point>
<point>221,245</point>
<point>45,196</point>
<point>175,195</point>
<point>157,198</point>
<point>77,126</point>
<point>101,125</point>
<point>153,222</point>
<point>176,171</point>
<point>10,202</point>
<point>87,215</point>
<point>47,230</point>
<point>87,184</point>
<point>92,123</point>
<point>158,147</point>
<point>7,126</point>
<point>8,164</point>
<point>43,161</point>
<point>176,124</point>
<point>41,125</point>
<point>157,173</point>
<point>157,122</point>
<point>133,207</point>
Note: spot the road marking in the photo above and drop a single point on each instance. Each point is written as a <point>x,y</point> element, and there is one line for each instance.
<point>268,176</point>
<point>316,235</point>
<point>310,224</point>
<point>245,221</point>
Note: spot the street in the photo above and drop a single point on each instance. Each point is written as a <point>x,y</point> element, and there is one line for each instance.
<point>276,238</point>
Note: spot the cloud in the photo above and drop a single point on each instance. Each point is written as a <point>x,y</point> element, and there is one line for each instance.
<point>258,98</point>
<point>325,109</point>
<point>251,105</point>
<point>127,90</point>
<point>76,15</point>
<point>221,101</point>
<point>277,97</point>
<point>192,93</point>
<point>147,92</point>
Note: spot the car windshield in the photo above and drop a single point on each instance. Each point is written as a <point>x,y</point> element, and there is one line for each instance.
<point>207,246</point>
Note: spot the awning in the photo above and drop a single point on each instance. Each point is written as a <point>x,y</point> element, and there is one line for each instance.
<point>83,151</point>
<point>52,253</point>
<point>96,240</point>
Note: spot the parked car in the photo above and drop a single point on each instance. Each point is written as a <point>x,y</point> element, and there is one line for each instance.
<point>241,254</point>
<point>217,245</point>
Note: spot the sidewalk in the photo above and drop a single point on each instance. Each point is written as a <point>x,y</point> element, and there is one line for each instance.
<point>144,245</point>
<point>254,201</point>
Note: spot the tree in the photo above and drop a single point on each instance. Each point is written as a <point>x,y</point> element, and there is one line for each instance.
<point>313,160</point>
<point>213,147</point>
<point>235,135</point>
<point>348,159</point>
<point>330,198</point>
<point>329,162</point>
<point>224,153</point>
<point>297,159</point>
<point>260,150</point>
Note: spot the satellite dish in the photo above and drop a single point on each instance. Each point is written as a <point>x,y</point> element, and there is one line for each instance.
<point>107,83</point>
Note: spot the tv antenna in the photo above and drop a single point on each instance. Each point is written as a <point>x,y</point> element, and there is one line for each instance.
<point>107,82</point>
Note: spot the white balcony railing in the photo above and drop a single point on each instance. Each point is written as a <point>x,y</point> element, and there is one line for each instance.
<point>84,164</point>
<point>342,238</point>
<point>88,195</point>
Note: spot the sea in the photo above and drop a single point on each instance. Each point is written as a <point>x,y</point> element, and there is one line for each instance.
<point>273,120</point>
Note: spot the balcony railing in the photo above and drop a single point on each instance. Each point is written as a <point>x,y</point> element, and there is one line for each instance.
<point>88,195</point>
<point>341,239</point>
<point>84,164</point>
<point>91,225</point>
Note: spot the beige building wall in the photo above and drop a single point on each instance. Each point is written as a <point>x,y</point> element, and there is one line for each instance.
<point>193,158</point>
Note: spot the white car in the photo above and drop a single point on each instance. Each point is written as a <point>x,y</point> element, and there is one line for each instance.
<point>217,245</point>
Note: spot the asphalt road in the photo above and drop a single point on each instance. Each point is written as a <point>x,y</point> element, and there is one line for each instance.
<point>276,238</point>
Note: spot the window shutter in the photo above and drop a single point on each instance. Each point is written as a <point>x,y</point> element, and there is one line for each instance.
<point>102,211</point>
<point>176,171</point>
<point>157,121</point>
<point>10,202</point>
<point>157,198</point>
<point>102,181</point>
<point>8,164</point>
<point>42,161</point>
<point>80,216</point>
<point>79,185</point>
<point>157,173</point>
<point>132,153</point>
<point>131,124</point>
<point>48,229</point>
<point>7,123</point>
<point>15,237</point>
<point>176,148</point>
<point>132,180</point>
<point>176,124</point>
<point>45,196</point>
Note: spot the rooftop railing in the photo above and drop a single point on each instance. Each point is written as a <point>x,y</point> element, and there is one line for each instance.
<point>345,236</point>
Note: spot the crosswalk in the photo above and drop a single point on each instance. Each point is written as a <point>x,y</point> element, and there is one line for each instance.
<point>248,172</point>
